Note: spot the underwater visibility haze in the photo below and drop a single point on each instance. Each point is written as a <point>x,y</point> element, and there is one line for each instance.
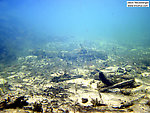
<point>77,19</point>
<point>74,56</point>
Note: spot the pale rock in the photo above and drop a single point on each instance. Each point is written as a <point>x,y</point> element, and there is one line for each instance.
<point>110,70</point>
<point>146,74</point>
<point>12,77</point>
<point>28,57</point>
<point>3,81</point>
<point>35,99</point>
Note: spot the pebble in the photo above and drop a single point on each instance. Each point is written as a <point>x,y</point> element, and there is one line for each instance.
<point>146,74</point>
<point>120,70</point>
<point>84,100</point>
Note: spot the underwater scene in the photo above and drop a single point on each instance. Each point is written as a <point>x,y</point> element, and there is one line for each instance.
<point>74,56</point>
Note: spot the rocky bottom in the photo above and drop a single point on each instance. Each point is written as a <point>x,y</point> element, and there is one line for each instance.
<point>81,89</point>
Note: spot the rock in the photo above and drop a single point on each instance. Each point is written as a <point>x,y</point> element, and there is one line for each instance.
<point>3,82</point>
<point>54,103</point>
<point>120,70</point>
<point>104,79</point>
<point>55,90</point>
<point>84,100</point>
<point>148,102</point>
<point>125,105</point>
<point>128,68</point>
<point>110,69</point>
<point>13,103</point>
<point>144,67</point>
<point>3,104</point>
<point>127,83</point>
<point>96,76</point>
<point>61,77</point>
<point>61,111</point>
<point>27,108</point>
<point>146,74</point>
<point>148,67</point>
<point>13,76</point>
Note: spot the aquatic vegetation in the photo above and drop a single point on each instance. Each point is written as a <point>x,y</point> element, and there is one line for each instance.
<point>95,102</point>
<point>37,107</point>
<point>3,85</point>
<point>1,91</point>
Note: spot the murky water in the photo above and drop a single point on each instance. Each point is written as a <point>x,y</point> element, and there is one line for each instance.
<point>52,54</point>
